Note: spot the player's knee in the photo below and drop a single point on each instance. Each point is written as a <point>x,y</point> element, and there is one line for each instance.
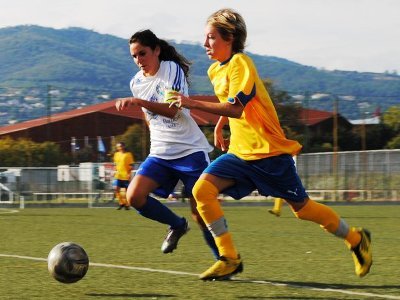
<point>136,200</point>
<point>204,191</point>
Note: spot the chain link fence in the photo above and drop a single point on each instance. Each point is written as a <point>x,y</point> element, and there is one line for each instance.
<point>351,176</point>
<point>341,176</point>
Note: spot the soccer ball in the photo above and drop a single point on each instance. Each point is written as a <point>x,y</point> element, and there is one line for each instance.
<point>68,262</point>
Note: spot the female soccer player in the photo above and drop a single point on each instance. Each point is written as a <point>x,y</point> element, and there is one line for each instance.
<point>179,150</point>
<point>259,156</point>
<point>123,161</point>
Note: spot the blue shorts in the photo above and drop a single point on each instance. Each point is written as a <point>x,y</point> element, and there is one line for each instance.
<point>273,176</point>
<point>167,173</point>
<point>120,183</point>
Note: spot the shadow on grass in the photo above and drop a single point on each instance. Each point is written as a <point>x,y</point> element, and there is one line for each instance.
<point>152,296</point>
<point>292,297</point>
<point>317,285</point>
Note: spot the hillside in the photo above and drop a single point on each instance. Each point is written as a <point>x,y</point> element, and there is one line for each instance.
<point>69,68</point>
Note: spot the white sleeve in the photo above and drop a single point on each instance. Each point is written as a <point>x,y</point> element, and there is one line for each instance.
<point>176,78</point>
<point>131,86</point>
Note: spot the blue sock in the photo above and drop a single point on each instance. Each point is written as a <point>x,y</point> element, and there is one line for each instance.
<point>155,210</point>
<point>211,242</point>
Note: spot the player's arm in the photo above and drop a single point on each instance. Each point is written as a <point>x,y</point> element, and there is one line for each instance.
<point>227,109</point>
<point>242,89</point>
<point>131,160</point>
<point>158,108</point>
<point>219,140</point>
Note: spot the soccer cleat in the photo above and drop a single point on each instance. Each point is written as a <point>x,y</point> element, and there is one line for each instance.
<point>274,212</point>
<point>171,240</point>
<point>224,268</point>
<point>362,253</point>
<point>127,207</point>
<point>120,207</point>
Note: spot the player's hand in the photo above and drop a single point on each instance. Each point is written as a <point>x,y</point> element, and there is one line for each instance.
<point>180,101</point>
<point>219,141</point>
<point>122,103</point>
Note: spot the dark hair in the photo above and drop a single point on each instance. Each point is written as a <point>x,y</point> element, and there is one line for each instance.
<point>167,52</point>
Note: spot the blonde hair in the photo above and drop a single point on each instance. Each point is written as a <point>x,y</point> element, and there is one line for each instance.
<point>231,26</point>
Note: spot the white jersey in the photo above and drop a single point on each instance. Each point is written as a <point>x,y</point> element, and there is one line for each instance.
<point>169,138</point>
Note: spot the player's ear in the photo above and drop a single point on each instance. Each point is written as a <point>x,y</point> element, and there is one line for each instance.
<point>157,50</point>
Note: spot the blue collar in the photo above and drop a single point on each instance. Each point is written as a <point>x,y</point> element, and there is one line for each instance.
<point>226,61</point>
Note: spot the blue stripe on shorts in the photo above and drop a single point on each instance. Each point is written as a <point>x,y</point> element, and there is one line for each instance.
<point>272,176</point>
<point>121,183</point>
<point>167,173</point>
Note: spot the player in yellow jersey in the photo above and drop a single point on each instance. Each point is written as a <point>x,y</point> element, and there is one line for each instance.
<point>123,167</point>
<point>259,155</point>
<point>277,209</point>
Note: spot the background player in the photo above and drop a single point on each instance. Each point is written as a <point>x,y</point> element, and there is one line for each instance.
<point>123,161</point>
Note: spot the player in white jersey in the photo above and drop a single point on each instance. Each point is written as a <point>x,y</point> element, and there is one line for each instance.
<point>179,149</point>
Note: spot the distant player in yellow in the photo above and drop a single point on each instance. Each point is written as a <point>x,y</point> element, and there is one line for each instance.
<point>123,161</point>
<point>259,155</point>
<point>277,209</point>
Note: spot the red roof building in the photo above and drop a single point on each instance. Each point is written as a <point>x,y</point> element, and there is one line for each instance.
<point>91,121</point>
<point>104,120</point>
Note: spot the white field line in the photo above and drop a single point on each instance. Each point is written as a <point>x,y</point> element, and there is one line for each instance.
<point>8,211</point>
<point>308,287</point>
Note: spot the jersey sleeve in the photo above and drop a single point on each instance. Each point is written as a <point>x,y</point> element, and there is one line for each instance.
<point>176,79</point>
<point>131,85</point>
<point>130,159</point>
<point>242,84</point>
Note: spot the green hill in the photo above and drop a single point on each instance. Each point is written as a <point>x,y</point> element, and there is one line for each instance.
<point>82,67</point>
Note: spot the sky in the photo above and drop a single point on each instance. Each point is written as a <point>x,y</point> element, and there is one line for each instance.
<point>352,35</point>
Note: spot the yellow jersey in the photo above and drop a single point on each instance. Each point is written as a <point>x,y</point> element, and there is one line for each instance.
<point>257,133</point>
<point>123,162</point>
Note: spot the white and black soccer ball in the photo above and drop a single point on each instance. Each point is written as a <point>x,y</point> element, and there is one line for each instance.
<point>68,262</point>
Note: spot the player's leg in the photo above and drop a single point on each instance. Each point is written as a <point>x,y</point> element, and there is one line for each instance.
<point>149,207</point>
<point>277,176</point>
<point>121,201</point>
<point>206,191</point>
<point>123,191</point>
<point>358,240</point>
<point>208,237</point>
<point>277,209</point>
<point>190,169</point>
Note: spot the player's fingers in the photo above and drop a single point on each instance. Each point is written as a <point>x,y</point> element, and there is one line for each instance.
<point>174,103</point>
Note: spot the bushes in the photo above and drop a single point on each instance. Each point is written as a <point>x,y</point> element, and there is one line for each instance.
<point>26,153</point>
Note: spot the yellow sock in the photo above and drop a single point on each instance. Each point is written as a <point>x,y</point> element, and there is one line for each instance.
<point>278,204</point>
<point>225,245</point>
<point>330,221</point>
<point>320,214</point>
<point>353,238</point>
<point>120,198</point>
<point>209,208</point>
<point>123,197</point>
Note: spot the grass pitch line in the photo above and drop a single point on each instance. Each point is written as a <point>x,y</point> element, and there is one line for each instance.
<point>8,211</point>
<point>290,285</point>
<point>309,287</point>
<point>142,269</point>
<point>108,265</point>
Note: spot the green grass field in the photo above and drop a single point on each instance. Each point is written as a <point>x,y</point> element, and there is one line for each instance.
<point>284,258</point>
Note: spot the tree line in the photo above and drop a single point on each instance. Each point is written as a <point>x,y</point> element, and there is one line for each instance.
<point>385,135</point>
